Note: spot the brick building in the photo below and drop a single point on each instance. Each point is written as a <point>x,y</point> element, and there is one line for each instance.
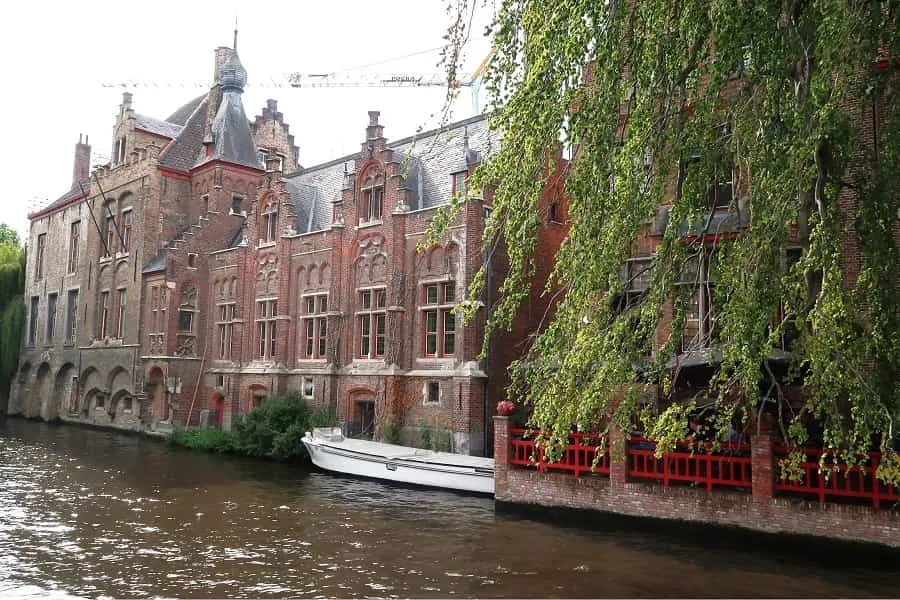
<point>203,269</point>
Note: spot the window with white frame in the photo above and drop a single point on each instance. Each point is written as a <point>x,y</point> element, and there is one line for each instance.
<point>439,335</point>
<point>120,314</point>
<point>51,318</point>
<point>127,222</point>
<point>103,316</point>
<point>72,316</point>
<point>266,314</point>
<point>269,229</point>
<point>371,323</point>
<point>314,326</point>
<point>459,183</point>
<point>698,276</point>
<point>372,204</point>
<point>225,327</point>
<point>39,253</point>
<point>308,388</point>
<point>74,242</point>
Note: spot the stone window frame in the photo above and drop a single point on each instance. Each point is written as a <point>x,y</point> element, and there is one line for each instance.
<point>311,389</point>
<point>314,326</point>
<point>121,316</point>
<point>40,256</point>
<point>431,393</point>
<point>436,315</point>
<point>74,243</point>
<point>371,313</point>
<point>266,318</point>
<point>225,312</point>
<point>103,314</point>
<point>268,230</point>
<point>72,315</point>
<point>33,311</point>
<point>52,308</point>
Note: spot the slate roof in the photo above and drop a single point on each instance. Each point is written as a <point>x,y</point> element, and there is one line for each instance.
<point>180,116</point>
<point>313,193</point>
<point>443,152</point>
<point>170,130</point>
<point>182,153</point>
<point>73,194</point>
<point>430,159</point>
<point>157,263</point>
<point>231,137</point>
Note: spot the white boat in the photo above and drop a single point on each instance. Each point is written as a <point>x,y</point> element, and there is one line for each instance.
<point>331,451</point>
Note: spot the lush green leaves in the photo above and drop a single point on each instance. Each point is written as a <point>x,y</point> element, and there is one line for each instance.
<point>676,92</point>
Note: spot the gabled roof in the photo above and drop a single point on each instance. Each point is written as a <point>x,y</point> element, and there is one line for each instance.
<point>73,194</point>
<point>169,130</point>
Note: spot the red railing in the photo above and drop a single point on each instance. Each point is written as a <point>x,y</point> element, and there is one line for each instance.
<point>578,457</point>
<point>727,466</point>
<point>839,481</point>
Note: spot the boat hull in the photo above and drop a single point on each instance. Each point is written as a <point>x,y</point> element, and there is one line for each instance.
<point>399,464</point>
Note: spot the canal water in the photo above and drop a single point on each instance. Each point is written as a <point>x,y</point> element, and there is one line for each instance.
<point>87,513</point>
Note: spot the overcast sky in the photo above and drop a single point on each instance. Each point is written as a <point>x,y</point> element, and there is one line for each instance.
<point>57,56</point>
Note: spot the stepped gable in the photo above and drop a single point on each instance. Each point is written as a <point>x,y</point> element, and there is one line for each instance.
<point>151,125</point>
<point>181,154</point>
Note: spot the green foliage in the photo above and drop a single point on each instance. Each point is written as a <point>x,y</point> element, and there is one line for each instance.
<point>390,431</point>
<point>676,92</point>
<point>12,305</point>
<point>9,236</point>
<point>274,430</point>
<point>208,439</point>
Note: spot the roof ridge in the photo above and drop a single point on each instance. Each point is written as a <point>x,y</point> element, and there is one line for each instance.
<point>391,145</point>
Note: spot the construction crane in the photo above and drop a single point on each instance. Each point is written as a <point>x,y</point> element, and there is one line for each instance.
<point>341,79</point>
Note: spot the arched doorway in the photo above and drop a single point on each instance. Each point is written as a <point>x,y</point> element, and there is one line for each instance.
<point>39,401</point>
<point>156,389</point>
<point>65,397</point>
<point>217,404</point>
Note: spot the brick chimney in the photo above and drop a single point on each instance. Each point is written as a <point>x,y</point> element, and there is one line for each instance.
<point>222,54</point>
<point>82,160</point>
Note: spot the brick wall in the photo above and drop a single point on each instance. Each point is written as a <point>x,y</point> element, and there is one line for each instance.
<point>617,495</point>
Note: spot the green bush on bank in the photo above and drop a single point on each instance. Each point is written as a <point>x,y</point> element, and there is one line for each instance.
<point>274,430</point>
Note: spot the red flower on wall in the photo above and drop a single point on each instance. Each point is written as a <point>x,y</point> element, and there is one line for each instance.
<point>505,408</point>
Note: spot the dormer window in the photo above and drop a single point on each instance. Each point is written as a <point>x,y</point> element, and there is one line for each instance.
<point>269,229</point>
<point>459,183</point>
<point>262,156</point>
<point>373,204</point>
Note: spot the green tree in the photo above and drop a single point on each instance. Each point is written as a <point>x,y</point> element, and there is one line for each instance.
<point>8,235</point>
<point>12,307</point>
<point>658,98</point>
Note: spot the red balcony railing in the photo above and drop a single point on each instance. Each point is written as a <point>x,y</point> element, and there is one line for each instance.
<point>838,481</point>
<point>727,466</point>
<point>577,459</point>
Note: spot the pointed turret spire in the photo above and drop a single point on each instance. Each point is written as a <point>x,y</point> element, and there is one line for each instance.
<point>234,46</point>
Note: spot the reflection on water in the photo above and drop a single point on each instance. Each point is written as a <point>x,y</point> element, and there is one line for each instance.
<point>86,513</point>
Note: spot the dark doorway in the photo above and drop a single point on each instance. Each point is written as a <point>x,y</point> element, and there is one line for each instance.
<point>364,424</point>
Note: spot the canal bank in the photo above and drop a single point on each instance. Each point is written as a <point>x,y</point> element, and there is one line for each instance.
<point>731,491</point>
<point>93,513</point>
